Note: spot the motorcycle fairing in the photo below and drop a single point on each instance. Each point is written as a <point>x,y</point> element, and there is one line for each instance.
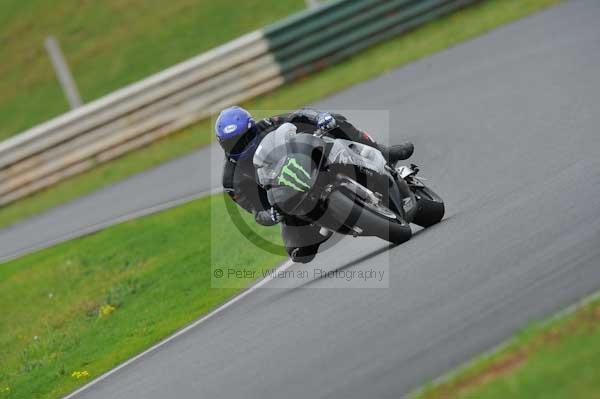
<point>287,165</point>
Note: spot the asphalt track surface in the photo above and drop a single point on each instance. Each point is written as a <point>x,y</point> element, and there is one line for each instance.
<point>168,185</point>
<point>507,128</point>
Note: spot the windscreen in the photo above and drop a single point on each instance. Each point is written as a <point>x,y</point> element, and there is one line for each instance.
<point>271,154</point>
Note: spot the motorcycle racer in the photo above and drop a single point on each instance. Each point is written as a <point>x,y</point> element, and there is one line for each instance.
<point>239,135</point>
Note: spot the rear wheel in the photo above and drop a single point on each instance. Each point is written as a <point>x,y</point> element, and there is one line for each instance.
<point>368,219</point>
<point>430,207</point>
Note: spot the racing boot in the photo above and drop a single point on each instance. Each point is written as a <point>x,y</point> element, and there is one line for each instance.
<point>395,153</point>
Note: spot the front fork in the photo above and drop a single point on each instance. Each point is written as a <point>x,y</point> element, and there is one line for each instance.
<point>408,199</point>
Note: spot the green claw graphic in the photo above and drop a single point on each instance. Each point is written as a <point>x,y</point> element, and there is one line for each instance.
<point>289,177</point>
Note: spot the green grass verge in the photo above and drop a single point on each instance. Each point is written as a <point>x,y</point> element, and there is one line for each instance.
<point>109,44</point>
<point>559,359</point>
<point>419,43</point>
<point>72,312</point>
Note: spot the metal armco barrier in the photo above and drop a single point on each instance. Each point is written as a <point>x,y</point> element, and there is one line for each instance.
<point>190,91</point>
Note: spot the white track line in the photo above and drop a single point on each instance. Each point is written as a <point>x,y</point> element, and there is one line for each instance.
<point>133,215</point>
<point>455,371</point>
<point>286,265</point>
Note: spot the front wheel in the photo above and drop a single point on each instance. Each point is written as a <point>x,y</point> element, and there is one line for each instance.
<point>430,207</point>
<point>370,222</point>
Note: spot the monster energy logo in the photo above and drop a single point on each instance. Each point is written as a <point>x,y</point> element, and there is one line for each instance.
<point>294,178</point>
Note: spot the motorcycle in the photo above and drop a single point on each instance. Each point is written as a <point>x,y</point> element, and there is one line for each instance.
<point>343,186</point>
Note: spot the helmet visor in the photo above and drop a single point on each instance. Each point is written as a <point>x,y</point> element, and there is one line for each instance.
<point>235,145</point>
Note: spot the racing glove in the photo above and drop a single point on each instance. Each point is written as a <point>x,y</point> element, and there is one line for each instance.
<point>326,122</point>
<point>268,217</point>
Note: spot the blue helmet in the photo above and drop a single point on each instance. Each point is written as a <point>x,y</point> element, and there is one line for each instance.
<point>236,132</point>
